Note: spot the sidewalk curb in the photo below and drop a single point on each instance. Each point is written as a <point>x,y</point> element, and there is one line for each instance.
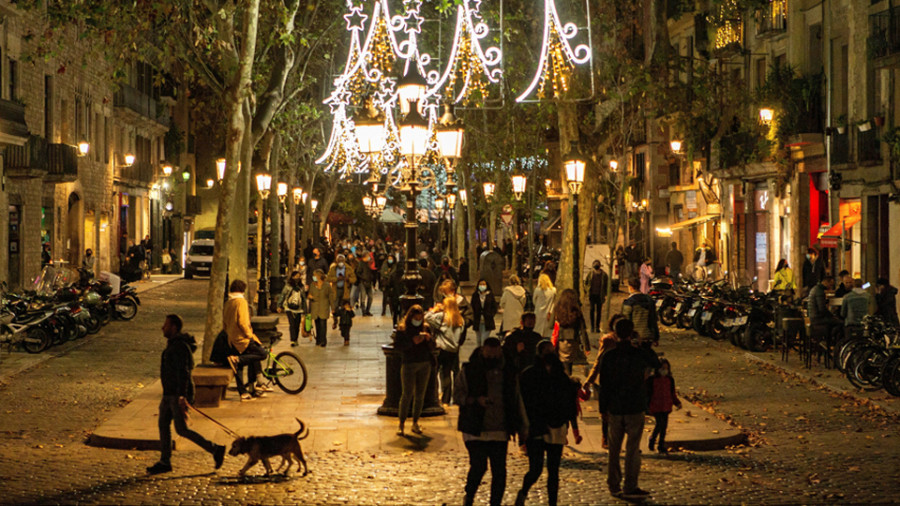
<point>820,382</point>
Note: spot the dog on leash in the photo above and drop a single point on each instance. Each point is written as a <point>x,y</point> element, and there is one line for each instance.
<point>265,447</point>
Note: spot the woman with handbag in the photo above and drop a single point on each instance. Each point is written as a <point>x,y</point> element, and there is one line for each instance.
<point>293,301</point>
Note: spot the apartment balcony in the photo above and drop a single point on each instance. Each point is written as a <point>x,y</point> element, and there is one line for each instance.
<point>13,129</point>
<point>772,19</point>
<point>55,163</point>
<point>884,38</point>
<point>62,163</point>
<point>138,174</point>
<point>136,106</point>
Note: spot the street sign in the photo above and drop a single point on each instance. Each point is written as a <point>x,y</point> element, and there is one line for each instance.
<point>507,215</point>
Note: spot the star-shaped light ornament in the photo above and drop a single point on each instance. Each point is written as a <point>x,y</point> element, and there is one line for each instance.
<point>413,22</point>
<point>356,20</point>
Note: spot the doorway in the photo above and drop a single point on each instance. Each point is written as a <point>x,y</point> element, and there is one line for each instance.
<point>74,224</point>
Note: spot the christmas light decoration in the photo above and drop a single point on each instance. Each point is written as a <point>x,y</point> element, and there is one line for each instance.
<point>558,57</point>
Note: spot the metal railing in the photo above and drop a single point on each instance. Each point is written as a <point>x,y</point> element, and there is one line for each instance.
<point>884,33</point>
<point>62,160</point>
<point>772,18</point>
<point>141,103</point>
<point>33,155</point>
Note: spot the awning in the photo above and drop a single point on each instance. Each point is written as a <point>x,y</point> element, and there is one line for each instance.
<point>391,216</point>
<point>693,222</point>
<point>830,238</point>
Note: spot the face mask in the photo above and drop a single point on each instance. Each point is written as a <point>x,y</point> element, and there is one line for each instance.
<point>302,264</point>
<point>340,264</point>
<point>482,288</point>
<point>416,323</point>
<point>316,278</point>
<point>390,261</point>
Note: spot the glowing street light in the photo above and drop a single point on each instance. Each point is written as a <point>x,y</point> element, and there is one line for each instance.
<point>518,184</point>
<point>488,191</point>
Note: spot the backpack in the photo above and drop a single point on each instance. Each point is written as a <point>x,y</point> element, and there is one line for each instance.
<point>295,299</point>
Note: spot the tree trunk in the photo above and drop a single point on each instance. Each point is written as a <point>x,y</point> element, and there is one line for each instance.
<point>238,246</point>
<point>234,95</point>
<point>568,134</point>
<point>473,226</point>
<point>331,189</point>
<point>460,231</point>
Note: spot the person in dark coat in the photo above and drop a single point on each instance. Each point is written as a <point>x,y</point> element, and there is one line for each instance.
<point>520,345</point>
<point>886,301</point>
<point>489,416</point>
<point>484,309</point>
<point>178,391</point>
<point>813,269</point>
<point>550,402</point>
<point>415,342</point>
<point>426,286</point>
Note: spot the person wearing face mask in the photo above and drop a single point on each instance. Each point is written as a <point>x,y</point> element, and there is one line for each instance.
<point>489,416</point>
<point>342,277</point>
<point>661,388</point>
<point>414,341</point>
<point>321,301</point>
<point>302,270</point>
<point>316,262</point>
<point>87,263</point>
<point>549,405</point>
<point>544,300</point>
<point>484,308</point>
<point>448,324</point>
<point>293,302</point>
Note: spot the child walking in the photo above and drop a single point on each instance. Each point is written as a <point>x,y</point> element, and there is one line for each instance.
<point>661,387</point>
<point>343,318</point>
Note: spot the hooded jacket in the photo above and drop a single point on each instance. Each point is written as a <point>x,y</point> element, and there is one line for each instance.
<point>176,366</point>
<point>513,304</point>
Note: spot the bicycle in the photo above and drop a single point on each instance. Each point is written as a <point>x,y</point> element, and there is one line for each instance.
<point>286,370</point>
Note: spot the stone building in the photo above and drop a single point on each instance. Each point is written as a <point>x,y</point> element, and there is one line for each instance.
<point>52,191</point>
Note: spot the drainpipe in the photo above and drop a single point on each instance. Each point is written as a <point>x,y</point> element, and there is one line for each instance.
<point>829,94</point>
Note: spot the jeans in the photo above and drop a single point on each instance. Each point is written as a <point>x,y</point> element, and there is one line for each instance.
<point>619,427</point>
<point>482,334</point>
<point>366,290</point>
<point>251,357</point>
<point>480,452</point>
<point>448,368</point>
<point>294,322</point>
<point>414,382</point>
<point>385,301</point>
<point>535,449</point>
<point>662,423</point>
<point>321,331</point>
<point>596,307</point>
<point>170,411</point>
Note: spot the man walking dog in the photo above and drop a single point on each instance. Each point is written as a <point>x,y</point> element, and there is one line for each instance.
<point>178,391</point>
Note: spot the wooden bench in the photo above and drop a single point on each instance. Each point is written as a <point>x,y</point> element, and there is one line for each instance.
<point>210,384</point>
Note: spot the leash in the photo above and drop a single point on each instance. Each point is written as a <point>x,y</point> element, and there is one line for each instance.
<point>213,420</point>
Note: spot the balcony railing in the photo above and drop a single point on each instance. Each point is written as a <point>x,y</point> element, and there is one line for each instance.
<point>141,103</point>
<point>31,156</point>
<point>840,148</point>
<point>868,146</point>
<point>772,18</point>
<point>884,33</point>
<point>62,162</point>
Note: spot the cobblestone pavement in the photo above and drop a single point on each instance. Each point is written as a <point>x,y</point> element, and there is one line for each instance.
<point>810,444</point>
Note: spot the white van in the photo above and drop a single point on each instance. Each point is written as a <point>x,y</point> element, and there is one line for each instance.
<point>199,258</point>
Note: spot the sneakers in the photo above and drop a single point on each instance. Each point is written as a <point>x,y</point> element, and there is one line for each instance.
<point>159,467</point>
<point>416,429</point>
<point>245,397</point>
<point>401,431</point>
<point>219,455</point>
<point>636,494</point>
<point>258,395</point>
<point>264,387</point>
<point>651,444</point>
<point>294,343</point>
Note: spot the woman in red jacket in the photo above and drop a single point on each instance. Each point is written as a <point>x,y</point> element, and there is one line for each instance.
<point>661,387</point>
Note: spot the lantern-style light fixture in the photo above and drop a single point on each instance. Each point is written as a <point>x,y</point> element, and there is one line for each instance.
<point>518,184</point>
<point>83,147</point>
<point>304,197</point>
<point>282,191</point>
<point>676,146</point>
<point>765,115</point>
<point>451,200</point>
<point>411,89</point>
<point>367,202</point>
<point>314,204</point>
<point>220,168</point>
<point>370,130</point>
<point>488,191</point>
<point>450,135</point>
<point>613,165</point>
<point>413,134</point>
<point>297,194</point>
<point>463,197</point>
<point>439,203</point>
<point>129,160</point>
<point>574,165</point>
<point>167,169</point>
<point>381,201</point>
<point>186,175</point>
<point>264,184</point>
<point>210,183</point>
<point>169,206</point>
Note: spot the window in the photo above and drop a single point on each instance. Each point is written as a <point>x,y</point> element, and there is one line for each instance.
<point>79,121</point>
<point>13,79</point>
<point>48,108</point>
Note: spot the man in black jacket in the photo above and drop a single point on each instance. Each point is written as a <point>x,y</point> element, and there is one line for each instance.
<point>489,416</point>
<point>624,399</point>
<point>178,391</point>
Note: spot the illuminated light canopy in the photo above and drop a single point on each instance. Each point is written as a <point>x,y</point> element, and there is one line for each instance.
<point>518,184</point>
<point>450,135</point>
<point>411,88</point>
<point>558,57</point>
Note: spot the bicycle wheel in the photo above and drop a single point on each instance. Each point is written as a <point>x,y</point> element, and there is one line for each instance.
<point>890,375</point>
<point>864,368</point>
<point>289,372</point>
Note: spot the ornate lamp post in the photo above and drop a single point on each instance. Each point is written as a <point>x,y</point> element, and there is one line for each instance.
<point>263,186</point>
<point>282,198</point>
<point>297,196</point>
<point>574,165</point>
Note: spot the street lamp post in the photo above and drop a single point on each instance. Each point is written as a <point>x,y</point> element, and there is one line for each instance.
<point>574,165</point>
<point>282,196</point>
<point>263,185</point>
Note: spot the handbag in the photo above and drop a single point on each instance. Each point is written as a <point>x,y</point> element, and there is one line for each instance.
<point>295,299</point>
<point>220,349</point>
<point>308,323</point>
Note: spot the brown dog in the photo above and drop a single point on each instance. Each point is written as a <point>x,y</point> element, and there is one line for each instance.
<point>264,447</point>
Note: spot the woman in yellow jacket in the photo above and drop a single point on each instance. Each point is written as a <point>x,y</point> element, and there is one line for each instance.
<point>242,339</point>
<point>784,277</point>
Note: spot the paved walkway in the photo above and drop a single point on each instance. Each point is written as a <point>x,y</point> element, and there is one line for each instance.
<point>346,387</point>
